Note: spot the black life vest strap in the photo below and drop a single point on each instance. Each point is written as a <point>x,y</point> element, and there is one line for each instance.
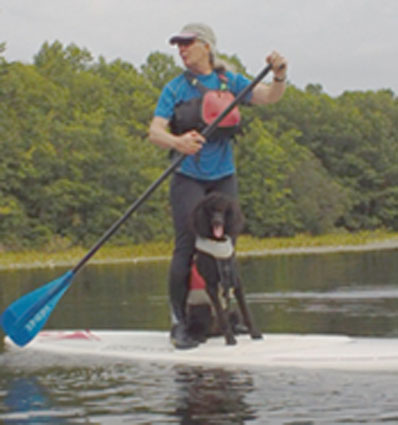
<point>190,76</point>
<point>228,273</point>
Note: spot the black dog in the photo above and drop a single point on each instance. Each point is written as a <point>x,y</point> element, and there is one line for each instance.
<point>217,221</point>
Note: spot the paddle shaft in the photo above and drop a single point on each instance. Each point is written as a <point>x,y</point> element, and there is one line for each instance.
<point>205,133</point>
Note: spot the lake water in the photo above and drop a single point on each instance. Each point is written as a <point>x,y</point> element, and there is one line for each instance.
<point>343,293</point>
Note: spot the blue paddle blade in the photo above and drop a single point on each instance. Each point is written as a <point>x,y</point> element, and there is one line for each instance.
<point>25,317</point>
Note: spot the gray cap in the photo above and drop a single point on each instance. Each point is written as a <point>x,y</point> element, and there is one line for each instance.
<point>196,31</point>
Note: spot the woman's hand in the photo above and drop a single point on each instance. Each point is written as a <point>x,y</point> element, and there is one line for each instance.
<point>189,143</point>
<point>264,94</point>
<point>279,65</point>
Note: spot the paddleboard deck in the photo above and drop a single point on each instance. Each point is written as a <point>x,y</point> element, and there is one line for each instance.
<point>274,350</point>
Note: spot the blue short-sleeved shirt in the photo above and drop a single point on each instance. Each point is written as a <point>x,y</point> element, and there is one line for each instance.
<point>216,156</point>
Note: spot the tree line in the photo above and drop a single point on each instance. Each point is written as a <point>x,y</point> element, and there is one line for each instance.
<point>74,154</point>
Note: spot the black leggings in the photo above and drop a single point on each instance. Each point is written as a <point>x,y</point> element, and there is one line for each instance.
<point>185,193</point>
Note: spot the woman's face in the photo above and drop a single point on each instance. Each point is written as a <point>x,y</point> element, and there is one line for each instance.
<point>195,54</point>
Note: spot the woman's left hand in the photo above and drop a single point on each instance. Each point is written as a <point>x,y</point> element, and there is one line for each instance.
<point>279,64</point>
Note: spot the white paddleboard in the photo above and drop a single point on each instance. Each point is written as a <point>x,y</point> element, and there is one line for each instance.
<point>274,350</point>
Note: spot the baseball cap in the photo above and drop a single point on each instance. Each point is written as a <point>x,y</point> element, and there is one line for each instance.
<point>197,31</point>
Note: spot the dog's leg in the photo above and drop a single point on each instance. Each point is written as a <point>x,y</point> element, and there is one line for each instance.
<point>247,319</point>
<point>221,315</point>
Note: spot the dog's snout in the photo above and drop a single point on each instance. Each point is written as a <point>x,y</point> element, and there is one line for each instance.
<point>217,224</point>
<point>217,219</point>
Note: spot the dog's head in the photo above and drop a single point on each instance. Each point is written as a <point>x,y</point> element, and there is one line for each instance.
<point>217,215</point>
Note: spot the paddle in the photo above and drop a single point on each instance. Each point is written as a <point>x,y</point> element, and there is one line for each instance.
<point>25,317</point>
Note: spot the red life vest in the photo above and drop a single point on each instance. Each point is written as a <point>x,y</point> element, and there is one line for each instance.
<point>198,113</point>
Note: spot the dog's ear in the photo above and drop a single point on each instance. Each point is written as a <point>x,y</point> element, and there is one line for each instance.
<point>234,220</point>
<point>199,221</point>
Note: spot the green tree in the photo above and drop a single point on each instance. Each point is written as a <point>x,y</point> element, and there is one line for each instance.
<point>263,168</point>
<point>74,153</point>
<point>159,69</point>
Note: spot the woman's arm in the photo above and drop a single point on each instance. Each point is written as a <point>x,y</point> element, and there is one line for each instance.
<point>188,143</point>
<point>264,94</point>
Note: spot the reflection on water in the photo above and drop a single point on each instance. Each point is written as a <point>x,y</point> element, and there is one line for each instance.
<point>213,394</point>
<point>354,294</point>
<point>118,393</point>
<point>29,402</point>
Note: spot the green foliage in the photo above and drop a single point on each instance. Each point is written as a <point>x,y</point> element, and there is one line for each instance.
<point>233,63</point>
<point>160,69</point>
<point>284,188</point>
<point>263,171</point>
<point>2,50</point>
<point>319,200</point>
<point>355,139</point>
<point>74,154</point>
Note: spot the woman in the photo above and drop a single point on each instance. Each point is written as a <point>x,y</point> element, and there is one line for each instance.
<point>209,164</point>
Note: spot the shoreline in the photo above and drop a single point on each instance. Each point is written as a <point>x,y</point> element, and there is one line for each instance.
<point>389,244</point>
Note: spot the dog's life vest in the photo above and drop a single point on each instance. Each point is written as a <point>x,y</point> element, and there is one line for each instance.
<point>223,253</point>
<point>199,112</point>
<point>197,294</point>
<point>217,249</point>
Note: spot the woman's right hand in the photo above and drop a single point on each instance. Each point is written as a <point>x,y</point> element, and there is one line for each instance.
<point>189,143</point>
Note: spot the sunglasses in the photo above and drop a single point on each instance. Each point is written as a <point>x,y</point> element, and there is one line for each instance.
<point>185,43</point>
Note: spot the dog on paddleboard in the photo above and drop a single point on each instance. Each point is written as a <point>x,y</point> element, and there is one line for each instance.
<point>216,221</point>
